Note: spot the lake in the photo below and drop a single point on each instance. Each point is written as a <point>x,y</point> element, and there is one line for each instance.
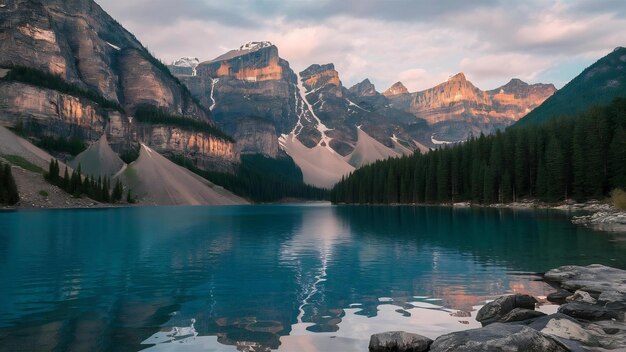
<point>256,278</point>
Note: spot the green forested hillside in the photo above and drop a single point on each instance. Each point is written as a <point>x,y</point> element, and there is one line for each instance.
<point>597,85</point>
<point>262,179</point>
<point>580,157</point>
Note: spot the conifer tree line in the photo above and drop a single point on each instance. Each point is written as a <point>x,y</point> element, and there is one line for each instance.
<point>99,189</point>
<point>581,157</point>
<point>8,188</point>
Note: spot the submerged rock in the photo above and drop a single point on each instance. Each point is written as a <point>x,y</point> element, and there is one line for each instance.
<point>399,341</point>
<point>498,337</point>
<point>494,311</point>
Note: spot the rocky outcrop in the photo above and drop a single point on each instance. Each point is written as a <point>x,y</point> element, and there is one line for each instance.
<point>81,43</point>
<point>364,88</point>
<point>396,89</point>
<point>53,113</point>
<point>495,311</point>
<point>457,109</point>
<point>399,341</point>
<point>250,81</point>
<point>594,278</point>
<point>498,337</point>
<point>254,136</point>
<point>517,98</point>
<point>593,320</point>
<point>206,151</point>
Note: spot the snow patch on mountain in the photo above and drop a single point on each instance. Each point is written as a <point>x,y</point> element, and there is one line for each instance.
<point>253,46</point>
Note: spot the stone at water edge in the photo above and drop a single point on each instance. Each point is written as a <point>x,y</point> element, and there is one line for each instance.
<point>497,337</point>
<point>594,278</point>
<point>570,330</point>
<point>590,312</point>
<point>399,341</point>
<point>612,296</point>
<point>521,314</point>
<point>581,296</point>
<point>559,296</point>
<point>493,311</point>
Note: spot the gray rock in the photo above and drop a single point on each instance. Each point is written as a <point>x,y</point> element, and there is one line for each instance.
<point>520,314</point>
<point>569,330</point>
<point>589,312</point>
<point>581,296</point>
<point>540,323</point>
<point>399,341</point>
<point>612,296</point>
<point>594,278</point>
<point>559,296</point>
<point>496,310</point>
<point>498,337</point>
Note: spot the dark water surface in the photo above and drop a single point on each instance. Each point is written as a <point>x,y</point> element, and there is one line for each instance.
<point>253,278</point>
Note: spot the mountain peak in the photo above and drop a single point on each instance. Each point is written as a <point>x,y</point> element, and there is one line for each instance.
<point>458,77</point>
<point>364,89</point>
<point>252,46</point>
<point>396,89</point>
<point>192,62</point>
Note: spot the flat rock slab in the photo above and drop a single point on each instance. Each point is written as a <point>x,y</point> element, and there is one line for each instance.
<point>590,312</point>
<point>594,278</point>
<point>520,314</point>
<point>559,296</point>
<point>494,311</point>
<point>399,341</point>
<point>498,337</point>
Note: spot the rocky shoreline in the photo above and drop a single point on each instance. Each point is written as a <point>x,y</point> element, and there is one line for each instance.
<point>591,317</point>
<point>601,216</point>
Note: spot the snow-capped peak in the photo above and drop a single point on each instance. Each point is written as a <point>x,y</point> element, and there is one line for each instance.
<point>251,46</point>
<point>187,62</point>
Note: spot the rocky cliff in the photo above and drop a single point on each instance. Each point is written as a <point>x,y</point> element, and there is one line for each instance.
<point>81,43</point>
<point>36,108</point>
<point>457,109</point>
<point>252,93</point>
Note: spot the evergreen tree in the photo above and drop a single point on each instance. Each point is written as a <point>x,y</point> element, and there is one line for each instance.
<point>555,172</point>
<point>617,154</point>
<point>8,188</point>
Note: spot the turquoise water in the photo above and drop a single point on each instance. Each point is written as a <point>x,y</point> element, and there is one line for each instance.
<point>289,277</point>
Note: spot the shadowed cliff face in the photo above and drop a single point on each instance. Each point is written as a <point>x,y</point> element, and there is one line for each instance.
<point>78,41</point>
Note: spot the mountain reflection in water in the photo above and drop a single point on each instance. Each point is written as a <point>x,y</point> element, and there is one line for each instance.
<point>289,277</point>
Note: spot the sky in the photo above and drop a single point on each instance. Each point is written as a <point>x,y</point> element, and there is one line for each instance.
<point>419,42</point>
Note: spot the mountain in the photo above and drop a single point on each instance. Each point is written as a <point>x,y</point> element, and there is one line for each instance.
<point>70,70</point>
<point>185,66</point>
<point>597,85</point>
<point>396,89</point>
<point>251,92</point>
<point>456,109</point>
<point>255,96</point>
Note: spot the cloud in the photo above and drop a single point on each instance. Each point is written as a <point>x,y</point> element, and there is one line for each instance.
<point>417,41</point>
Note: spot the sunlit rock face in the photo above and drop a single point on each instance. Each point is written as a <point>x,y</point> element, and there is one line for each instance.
<point>456,109</point>
<point>396,89</point>
<point>517,98</point>
<point>204,150</point>
<point>59,114</point>
<point>80,42</point>
<point>252,93</point>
